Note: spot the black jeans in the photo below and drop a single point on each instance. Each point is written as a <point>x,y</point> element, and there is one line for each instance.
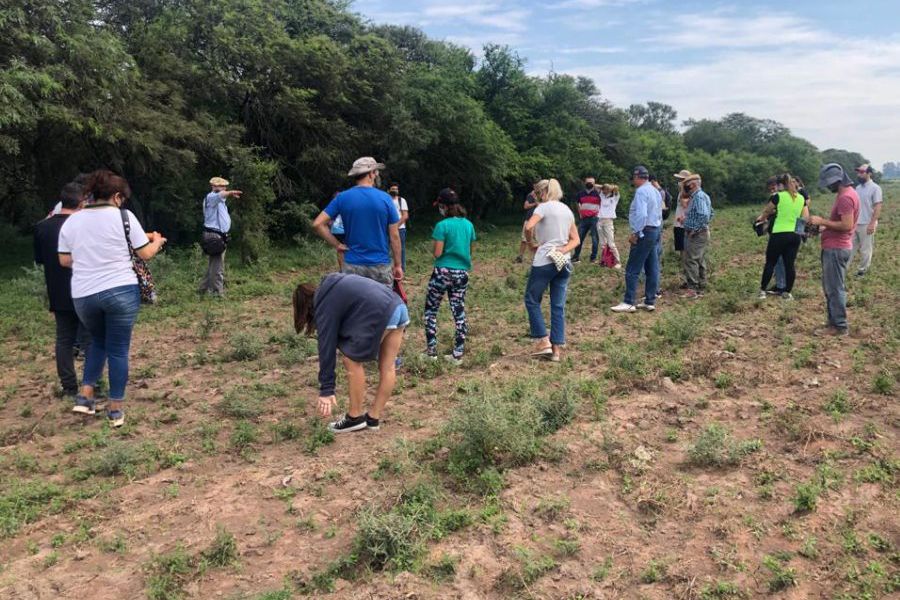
<point>781,245</point>
<point>69,331</point>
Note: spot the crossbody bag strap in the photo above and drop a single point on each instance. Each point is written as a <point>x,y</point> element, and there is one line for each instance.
<point>126,226</point>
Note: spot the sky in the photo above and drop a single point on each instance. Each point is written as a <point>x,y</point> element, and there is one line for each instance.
<point>829,70</point>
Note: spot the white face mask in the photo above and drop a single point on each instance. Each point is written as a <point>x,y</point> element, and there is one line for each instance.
<point>443,210</point>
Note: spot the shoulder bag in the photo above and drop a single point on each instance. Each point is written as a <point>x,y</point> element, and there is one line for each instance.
<point>145,279</point>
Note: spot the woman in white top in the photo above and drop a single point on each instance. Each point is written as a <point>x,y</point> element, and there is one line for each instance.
<point>104,285</point>
<point>552,232</point>
<point>609,200</point>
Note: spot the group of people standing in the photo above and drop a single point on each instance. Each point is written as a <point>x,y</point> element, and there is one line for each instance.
<point>90,246</point>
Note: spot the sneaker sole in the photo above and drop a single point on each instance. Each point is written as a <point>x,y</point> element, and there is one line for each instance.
<point>373,427</point>
<point>348,429</point>
<point>543,352</point>
<point>83,410</point>
<point>116,422</point>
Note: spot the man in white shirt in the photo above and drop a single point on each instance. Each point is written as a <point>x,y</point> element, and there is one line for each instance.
<point>403,210</point>
<point>870,201</point>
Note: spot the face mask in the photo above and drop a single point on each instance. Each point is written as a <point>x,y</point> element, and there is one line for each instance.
<point>443,210</point>
<point>394,193</point>
<point>862,178</point>
<point>589,186</point>
<point>834,187</point>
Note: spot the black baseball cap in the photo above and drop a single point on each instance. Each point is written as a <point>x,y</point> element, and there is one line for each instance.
<point>446,197</point>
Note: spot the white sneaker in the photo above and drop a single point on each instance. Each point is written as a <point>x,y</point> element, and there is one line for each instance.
<point>787,296</point>
<point>617,267</point>
<point>648,307</point>
<point>623,307</point>
<point>762,295</point>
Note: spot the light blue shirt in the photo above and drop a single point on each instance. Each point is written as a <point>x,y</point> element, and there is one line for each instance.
<point>646,209</point>
<point>215,213</point>
<point>699,212</point>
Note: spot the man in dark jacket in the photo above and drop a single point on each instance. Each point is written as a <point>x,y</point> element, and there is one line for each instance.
<point>59,288</point>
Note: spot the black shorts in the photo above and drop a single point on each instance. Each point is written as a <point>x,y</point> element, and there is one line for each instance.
<point>679,238</point>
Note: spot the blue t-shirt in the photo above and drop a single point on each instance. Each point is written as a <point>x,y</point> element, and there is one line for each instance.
<point>366,213</point>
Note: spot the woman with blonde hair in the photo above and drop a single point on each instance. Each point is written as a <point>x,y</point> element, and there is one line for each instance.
<point>553,234</point>
<point>609,199</point>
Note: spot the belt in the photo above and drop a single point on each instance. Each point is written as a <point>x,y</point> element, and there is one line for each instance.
<point>650,227</point>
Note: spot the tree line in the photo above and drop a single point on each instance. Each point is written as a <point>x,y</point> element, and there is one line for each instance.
<point>280,96</point>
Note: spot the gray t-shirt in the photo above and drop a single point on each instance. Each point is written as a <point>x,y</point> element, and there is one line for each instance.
<point>869,195</point>
<point>552,231</point>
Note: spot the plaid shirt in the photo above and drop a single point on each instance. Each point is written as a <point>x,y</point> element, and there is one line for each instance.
<point>699,212</point>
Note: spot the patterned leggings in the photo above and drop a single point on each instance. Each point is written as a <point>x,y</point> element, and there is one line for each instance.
<point>454,282</point>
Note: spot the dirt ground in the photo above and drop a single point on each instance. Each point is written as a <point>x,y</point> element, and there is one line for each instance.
<point>620,511</point>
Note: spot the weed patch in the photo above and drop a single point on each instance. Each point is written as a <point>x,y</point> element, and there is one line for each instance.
<point>715,447</point>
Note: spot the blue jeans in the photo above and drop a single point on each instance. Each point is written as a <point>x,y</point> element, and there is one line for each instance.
<point>584,225</point>
<point>109,317</point>
<point>643,257</point>
<point>403,248</point>
<point>538,280</point>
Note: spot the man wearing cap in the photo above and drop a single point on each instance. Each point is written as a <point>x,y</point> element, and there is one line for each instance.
<point>870,201</point>
<point>216,225</point>
<point>837,243</point>
<point>645,220</point>
<point>696,235</point>
<point>371,226</point>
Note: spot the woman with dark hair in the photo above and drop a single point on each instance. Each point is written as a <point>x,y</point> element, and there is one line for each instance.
<point>789,207</point>
<point>365,320</point>
<point>453,238</point>
<point>104,285</point>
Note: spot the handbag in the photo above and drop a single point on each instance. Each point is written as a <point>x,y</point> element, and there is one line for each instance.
<point>607,258</point>
<point>213,244</point>
<point>398,289</point>
<point>145,279</point>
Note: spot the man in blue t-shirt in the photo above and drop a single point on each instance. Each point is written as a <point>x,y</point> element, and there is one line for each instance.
<point>371,226</point>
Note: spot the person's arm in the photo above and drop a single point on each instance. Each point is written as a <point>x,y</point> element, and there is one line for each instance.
<point>574,240</point>
<point>845,224</point>
<point>767,212</point>
<point>327,344</point>
<point>65,260</point>
<point>530,224</point>
<point>148,251</point>
<point>404,217</point>
<point>396,248</point>
<point>528,205</point>
<point>322,226</point>
<point>876,212</point>
<point>637,216</point>
<point>438,248</point>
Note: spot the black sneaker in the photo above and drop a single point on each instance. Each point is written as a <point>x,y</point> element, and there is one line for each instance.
<point>348,424</point>
<point>775,291</point>
<point>371,423</point>
<point>519,259</point>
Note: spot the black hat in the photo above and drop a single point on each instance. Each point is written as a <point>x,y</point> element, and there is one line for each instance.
<point>446,197</point>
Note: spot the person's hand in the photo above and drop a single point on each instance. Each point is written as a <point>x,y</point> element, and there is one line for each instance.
<point>872,227</point>
<point>398,272</point>
<point>816,220</point>
<point>633,239</point>
<point>235,193</point>
<point>680,219</point>
<point>326,403</point>
<point>342,248</point>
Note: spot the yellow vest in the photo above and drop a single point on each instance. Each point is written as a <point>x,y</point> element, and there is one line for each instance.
<point>789,210</point>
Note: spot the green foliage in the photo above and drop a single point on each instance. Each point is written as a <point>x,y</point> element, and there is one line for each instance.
<point>715,446</point>
<point>24,502</point>
<point>782,576</point>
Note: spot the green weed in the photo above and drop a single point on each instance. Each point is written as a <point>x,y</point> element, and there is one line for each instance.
<point>715,446</point>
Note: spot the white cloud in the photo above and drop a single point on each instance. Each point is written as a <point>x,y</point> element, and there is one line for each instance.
<point>591,50</point>
<point>582,4</point>
<point>842,95</point>
<point>727,30</point>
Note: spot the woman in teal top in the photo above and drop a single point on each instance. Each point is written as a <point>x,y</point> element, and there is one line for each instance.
<point>789,208</point>
<point>453,238</point>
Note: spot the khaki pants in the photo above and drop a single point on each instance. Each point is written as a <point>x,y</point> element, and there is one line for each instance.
<point>693,259</point>
<point>607,234</point>
<point>214,280</point>
<point>865,245</point>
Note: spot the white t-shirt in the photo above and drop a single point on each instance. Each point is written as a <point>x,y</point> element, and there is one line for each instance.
<point>552,231</point>
<point>608,206</point>
<point>95,237</point>
<point>401,205</point>
<point>869,195</point>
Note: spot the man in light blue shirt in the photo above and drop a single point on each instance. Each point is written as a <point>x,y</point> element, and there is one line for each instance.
<point>645,220</point>
<point>696,236</point>
<point>216,225</point>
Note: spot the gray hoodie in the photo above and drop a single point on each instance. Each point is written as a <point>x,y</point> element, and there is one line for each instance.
<point>351,314</point>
